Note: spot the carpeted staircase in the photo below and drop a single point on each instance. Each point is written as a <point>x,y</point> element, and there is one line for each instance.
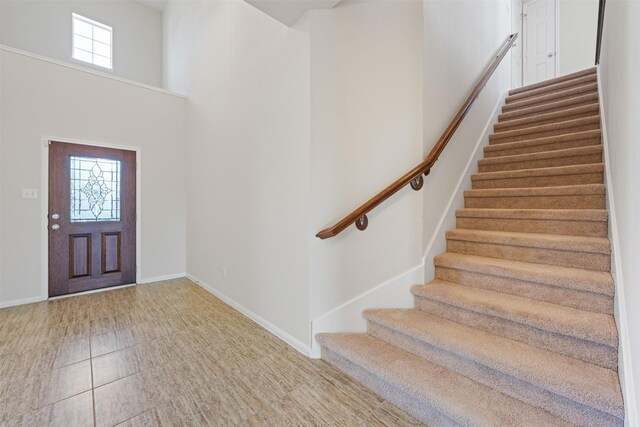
<point>517,327</point>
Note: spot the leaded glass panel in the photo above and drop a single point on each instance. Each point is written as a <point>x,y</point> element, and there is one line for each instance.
<point>95,189</point>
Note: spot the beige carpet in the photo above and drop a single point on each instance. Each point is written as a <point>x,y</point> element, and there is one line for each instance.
<point>517,327</point>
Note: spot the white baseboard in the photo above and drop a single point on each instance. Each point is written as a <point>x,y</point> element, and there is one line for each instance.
<point>12,303</point>
<point>162,278</point>
<point>21,301</point>
<point>438,243</point>
<point>396,292</point>
<point>284,336</point>
<point>625,368</point>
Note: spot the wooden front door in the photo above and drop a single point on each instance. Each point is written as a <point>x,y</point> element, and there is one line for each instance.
<point>92,218</point>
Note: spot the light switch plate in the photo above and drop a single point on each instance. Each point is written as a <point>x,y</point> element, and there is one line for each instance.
<point>29,193</point>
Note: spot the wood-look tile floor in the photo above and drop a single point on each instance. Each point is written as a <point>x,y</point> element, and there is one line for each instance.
<point>167,353</point>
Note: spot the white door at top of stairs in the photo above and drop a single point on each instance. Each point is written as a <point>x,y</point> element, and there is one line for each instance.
<point>539,25</point>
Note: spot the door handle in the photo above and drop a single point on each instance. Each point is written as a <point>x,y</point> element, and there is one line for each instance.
<point>55,216</point>
<point>55,227</point>
<point>550,55</point>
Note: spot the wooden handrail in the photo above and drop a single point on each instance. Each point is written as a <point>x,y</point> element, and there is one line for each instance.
<point>601,6</point>
<point>414,176</point>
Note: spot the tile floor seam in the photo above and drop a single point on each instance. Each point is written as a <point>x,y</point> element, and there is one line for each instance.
<point>199,340</point>
<point>93,396</point>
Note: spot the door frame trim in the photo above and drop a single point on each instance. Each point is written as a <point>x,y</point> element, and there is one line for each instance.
<point>44,203</point>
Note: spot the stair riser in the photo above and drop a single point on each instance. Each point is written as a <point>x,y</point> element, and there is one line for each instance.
<point>558,95</point>
<point>551,107</point>
<point>540,181</point>
<point>551,98</point>
<point>586,351</point>
<point>554,81</point>
<point>507,127</point>
<point>541,148</point>
<point>541,226</point>
<point>588,301</point>
<point>582,201</point>
<point>566,258</point>
<point>497,139</point>
<point>584,159</point>
<point>395,395</point>
<point>556,87</point>
<point>494,378</point>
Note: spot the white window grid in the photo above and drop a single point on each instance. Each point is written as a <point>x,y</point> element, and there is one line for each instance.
<point>92,42</point>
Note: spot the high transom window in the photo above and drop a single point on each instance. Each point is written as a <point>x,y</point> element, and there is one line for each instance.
<point>92,41</point>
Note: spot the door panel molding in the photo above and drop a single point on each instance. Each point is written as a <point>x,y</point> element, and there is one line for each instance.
<point>111,252</point>
<point>44,206</point>
<point>80,243</point>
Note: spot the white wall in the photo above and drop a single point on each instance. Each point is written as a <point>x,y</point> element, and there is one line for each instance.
<point>619,67</point>
<point>577,27</point>
<point>247,78</point>
<point>318,118</point>
<point>454,62</point>
<point>366,131</point>
<point>40,98</point>
<point>44,27</point>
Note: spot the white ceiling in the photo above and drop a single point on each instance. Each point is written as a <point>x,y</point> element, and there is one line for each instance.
<point>289,11</point>
<point>285,11</point>
<point>158,5</point>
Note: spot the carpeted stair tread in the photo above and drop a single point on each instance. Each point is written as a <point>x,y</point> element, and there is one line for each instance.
<point>549,176</point>
<point>568,190</point>
<point>591,253</point>
<point>579,81</point>
<point>539,172</point>
<point>576,222</point>
<point>560,126</point>
<point>551,97</point>
<point>575,196</point>
<point>544,155</point>
<point>599,215</point>
<point>581,382</point>
<point>599,282</point>
<point>593,136</point>
<point>554,81</point>
<point>553,105</point>
<point>561,242</point>
<point>556,116</point>
<point>584,325</point>
<point>463,401</point>
<point>566,214</point>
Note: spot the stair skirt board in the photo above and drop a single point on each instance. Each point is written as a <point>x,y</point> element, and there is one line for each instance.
<point>517,327</point>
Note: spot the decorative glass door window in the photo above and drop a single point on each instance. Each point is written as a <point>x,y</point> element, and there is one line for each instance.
<point>95,189</point>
